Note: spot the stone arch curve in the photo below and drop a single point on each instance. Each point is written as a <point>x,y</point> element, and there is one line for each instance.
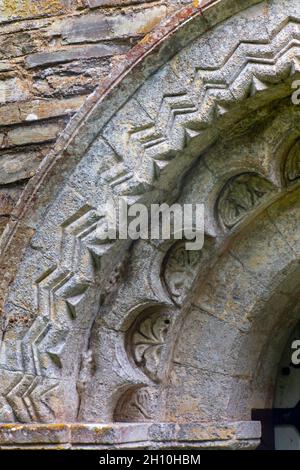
<point>240,318</point>
<point>138,141</point>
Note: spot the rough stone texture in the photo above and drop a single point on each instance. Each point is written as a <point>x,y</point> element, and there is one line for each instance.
<point>98,27</point>
<point>27,9</point>
<point>20,166</point>
<point>143,436</point>
<point>57,57</point>
<point>113,3</point>
<point>162,345</point>
<point>38,110</point>
<point>52,55</point>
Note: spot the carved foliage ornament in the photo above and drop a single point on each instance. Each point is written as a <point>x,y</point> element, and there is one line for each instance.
<point>180,271</point>
<point>293,163</point>
<point>241,195</point>
<point>147,341</point>
<point>138,404</point>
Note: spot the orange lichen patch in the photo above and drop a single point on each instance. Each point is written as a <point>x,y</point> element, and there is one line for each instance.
<point>102,430</point>
<point>11,427</point>
<point>210,432</point>
<point>97,429</point>
<point>150,25</point>
<point>30,8</point>
<point>55,426</point>
<point>19,427</point>
<point>62,447</point>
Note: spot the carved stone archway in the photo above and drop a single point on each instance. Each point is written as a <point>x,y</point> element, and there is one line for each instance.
<point>202,115</point>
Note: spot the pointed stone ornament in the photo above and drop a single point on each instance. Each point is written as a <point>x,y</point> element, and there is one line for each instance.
<point>220,110</point>
<point>257,86</point>
<point>295,67</point>
<point>72,302</point>
<point>191,134</point>
<point>130,200</point>
<point>159,165</point>
<point>55,357</point>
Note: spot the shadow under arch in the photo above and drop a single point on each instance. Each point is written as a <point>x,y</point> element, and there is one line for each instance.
<point>240,317</point>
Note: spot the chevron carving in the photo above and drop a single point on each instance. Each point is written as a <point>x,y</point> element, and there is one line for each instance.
<point>251,69</point>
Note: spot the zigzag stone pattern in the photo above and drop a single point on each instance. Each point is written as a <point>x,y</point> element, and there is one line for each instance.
<point>249,71</point>
<point>151,147</point>
<point>45,340</point>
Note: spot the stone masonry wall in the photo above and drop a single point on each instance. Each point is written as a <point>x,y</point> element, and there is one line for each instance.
<point>53,53</point>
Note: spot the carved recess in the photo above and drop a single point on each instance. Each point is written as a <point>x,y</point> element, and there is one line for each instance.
<point>146,341</point>
<point>138,404</point>
<point>292,169</point>
<point>240,196</point>
<point>179,271</point>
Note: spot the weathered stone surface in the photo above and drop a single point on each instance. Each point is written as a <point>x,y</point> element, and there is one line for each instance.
<point>113,3</point>
<point>84,52</point>
<point>31,134</point>
<point>172,349</point>
<point>13,89</point>
<point>92,28</point>
<point>8,198</point>
<point>38,109</point>
<point>5,66</point>
<point>23,35</point>
<point>19,166</point>
<point>50,434</point>
<point>143,435</point>
<point>27,9</point>
<point>17,45</point>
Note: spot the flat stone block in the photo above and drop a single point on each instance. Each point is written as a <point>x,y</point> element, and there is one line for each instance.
<point>248,430</point>
<point>12,434</point>
<point>32,134</point>
<point>99,27</point>
<point>38,109</point>
<point>67,55</point>
<point>108,433</point>
<point>125,435</point>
